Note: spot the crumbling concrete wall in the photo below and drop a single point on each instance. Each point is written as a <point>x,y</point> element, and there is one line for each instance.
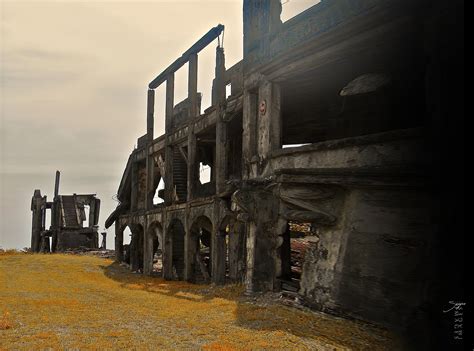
<point>347,80</point>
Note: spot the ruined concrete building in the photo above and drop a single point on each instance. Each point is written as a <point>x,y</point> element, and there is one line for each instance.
<point>67,216</point>
<point>320,161</point>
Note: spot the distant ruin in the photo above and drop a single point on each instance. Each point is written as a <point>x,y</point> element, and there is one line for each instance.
<point>68,213</point>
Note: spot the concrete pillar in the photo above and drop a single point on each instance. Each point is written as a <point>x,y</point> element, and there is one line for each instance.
<point>37,220</point>
<point>260,18</point>
<point>134,250</point>
<point>134,189</point>
<point>150,162</point>
<point>91,213</point>
<point>269,119</point>
<point>150,120</point>
<point>221,126</point>
<point>249,134</point>
<point>251,242</point>
<point>148,249</point>
<point>96,211</point>
<point>193,112</point>
<point>56,184</point>
<point>219,257</point>
<point>168,179</point>
<point>150,179</point>
<point>167,254</point>
<point>103,245</point>
<point>118,242</point>
<point>189,252</point>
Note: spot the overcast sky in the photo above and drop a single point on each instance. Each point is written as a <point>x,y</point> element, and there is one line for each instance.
<point>74,77</point>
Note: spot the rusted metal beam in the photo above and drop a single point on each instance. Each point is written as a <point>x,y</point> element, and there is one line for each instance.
<point>196,48</point>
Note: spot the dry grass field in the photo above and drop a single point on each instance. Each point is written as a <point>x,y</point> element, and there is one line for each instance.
<point>74,302</point>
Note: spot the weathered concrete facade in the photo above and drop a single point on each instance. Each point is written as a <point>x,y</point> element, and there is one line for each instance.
<point>329,123</point>
<point>68,212</point>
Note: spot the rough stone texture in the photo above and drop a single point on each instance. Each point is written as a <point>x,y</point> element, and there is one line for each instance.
<point>363,179</point>
<point>67,213</point>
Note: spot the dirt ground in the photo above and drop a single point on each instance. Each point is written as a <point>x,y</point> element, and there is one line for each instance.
<point>83,302</point>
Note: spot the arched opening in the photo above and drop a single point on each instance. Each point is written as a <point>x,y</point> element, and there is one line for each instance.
<point>293,249</point>
<point>201,250</point>
<point>136,248</point>
<point>155,249</point>
<point>122,243</point>
<point>176,235</point>
<point>230,251</point>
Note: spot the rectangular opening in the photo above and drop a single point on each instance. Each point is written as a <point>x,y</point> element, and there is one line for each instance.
<point>234,150</point>
<point>206,68</point>
<point>204,173</point>
<point>292,8</point>
<point>293,249</point>
<point>228,90</point>
<point>159,111</point>
<point>180,174</point>
<point>159,196</point>
<point>322,104</point>
<point>205,158</point>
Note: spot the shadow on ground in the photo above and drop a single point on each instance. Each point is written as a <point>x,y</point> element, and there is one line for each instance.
<point>262,313</point>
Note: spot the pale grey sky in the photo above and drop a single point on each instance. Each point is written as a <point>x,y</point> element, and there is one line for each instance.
<point>74,77</point>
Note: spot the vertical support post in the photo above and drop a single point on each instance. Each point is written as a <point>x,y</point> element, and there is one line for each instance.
<point>150,119</point>
<point>134,190</point>
<point>37,220</point>
<point>56,184</point>
<point>269,119</point>
<point>150,163</point>
<point>147,249</point>
<point>249,134</point>
<point>92,211</point>
<point>118,242</point>
<point>192,96</point>
<point>221,126</point>
<point>167,253</point>
<point>189,251</point>
<point>168,178</point>
<point>150,178</point>
<point>251,251</point>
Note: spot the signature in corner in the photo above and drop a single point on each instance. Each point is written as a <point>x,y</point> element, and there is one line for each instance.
<point>455,306</point>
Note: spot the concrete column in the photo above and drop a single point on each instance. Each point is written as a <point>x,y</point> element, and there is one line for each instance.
<point>134,190</point>
<point>150,179</point>
<point>118,242</point>
<point>150,120</point>
<point>260,18</point>
<point>150,163</point>
<point>251,242</point>
<point>37,220</point>
<point>269,119</point>
<point>249,134</point>
<point>221,126</point>
<point>147,249</point>
<point>91,213</point>
<point>96,211</point>
<point>193,112</point>
<point>167,254</point>
<point>189,256</point>
<point>168,178</point>
<point>219,257</point>
<point>134,249</point>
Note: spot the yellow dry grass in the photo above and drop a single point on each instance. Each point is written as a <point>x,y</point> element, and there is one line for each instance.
<point>80,302</point>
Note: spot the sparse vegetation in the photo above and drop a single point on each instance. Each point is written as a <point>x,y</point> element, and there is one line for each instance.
<point>81,302</point>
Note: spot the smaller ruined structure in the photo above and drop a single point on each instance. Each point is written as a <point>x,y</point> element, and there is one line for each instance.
<point>68,214</point>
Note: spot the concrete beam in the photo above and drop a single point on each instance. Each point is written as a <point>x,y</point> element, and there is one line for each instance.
<point>205,40</point>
